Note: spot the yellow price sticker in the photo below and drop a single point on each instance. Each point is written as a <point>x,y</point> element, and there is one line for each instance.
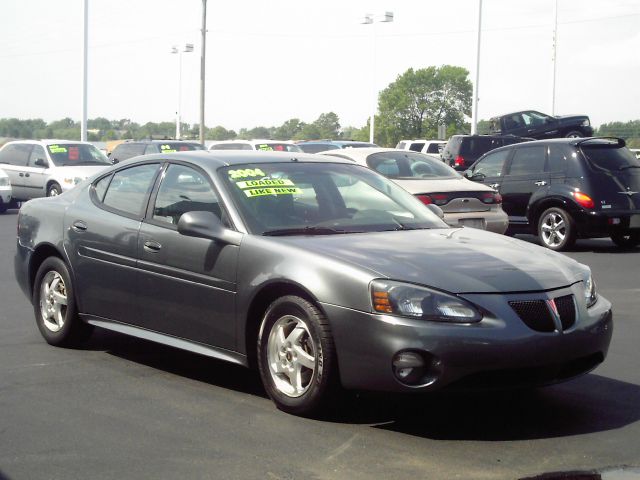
<point>259,192</point>
<point>266,183</point>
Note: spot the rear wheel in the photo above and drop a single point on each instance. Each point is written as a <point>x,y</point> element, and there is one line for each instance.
<point>574,134</point>
<point>55,307</point>
<point>296,356</point>
<point>626,240</point>
<point>556,229</point>
<point>54,190</point>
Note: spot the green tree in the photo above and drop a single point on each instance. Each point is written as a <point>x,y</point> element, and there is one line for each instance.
<point>288,129</point>
<point>328,125</point>
<point>354,133</point>
<point>419,100</point>
<point>220,133</point>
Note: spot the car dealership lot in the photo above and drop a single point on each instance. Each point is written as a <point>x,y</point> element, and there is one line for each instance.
<point>126,408</point>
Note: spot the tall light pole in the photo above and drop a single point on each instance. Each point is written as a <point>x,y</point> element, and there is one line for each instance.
<point>474,107</point>
<point>202,65</point>
<point>554,57</point>
<point>85,60</point>
<point>370,20</point>
<point>188,47</point>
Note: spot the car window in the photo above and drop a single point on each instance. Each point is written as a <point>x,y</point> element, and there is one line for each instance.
<point>557,158</point>
<point>406,164</point>
<point>491,165</point>
<point>184,189</point>
<point>434,148</point>
<point>171,147</point>
<point>532,119</point>
<point>129,188</point>
<point>15,154</point>
<point>277,147</point>
<point>37,153</point>
<point>527,160</point>
<point>151,148</point>
<point>127,150</point>
<point>75,154</point>
<point>416,146</point>
<point>304,198</point>
<point>610,157</point>
<point>231,146</point>
<point>101,186</point>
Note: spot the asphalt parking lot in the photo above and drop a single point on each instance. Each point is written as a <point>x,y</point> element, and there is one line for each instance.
<point>126,408</point>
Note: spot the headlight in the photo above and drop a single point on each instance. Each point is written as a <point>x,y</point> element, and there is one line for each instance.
<point>590,294</point>
<point>585,123</point>
<point>4,182</point>
<point>413,301</point>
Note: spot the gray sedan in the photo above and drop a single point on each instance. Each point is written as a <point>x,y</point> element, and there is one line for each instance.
<point>319,272</point>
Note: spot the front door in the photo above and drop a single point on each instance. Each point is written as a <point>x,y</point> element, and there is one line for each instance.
<point>187,285</point>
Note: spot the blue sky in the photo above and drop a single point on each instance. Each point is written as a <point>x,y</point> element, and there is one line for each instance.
<point>268,62</point>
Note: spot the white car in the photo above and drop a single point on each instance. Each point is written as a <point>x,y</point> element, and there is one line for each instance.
<point>5,191</point>
<point>263,145</point>
<point>433,147</point>
<point>462,201</point>
<point>45,168</point>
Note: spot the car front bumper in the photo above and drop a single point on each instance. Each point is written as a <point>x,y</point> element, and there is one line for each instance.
<point>500,347</point>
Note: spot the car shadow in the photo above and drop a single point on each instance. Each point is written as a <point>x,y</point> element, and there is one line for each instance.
<point>591,403</point>
<point>593,245</point>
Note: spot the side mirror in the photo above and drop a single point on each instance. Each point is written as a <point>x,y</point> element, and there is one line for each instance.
<point>467,174</point>
<point>41,162</point>
<point>437,210</point>
<point>204,224</point>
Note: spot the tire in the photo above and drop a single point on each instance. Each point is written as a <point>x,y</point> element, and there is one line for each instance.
<point>626,240</point>
<point>55,307</point>
<point>54,190</point>
<point>556,229</point>
<point>574,134</point>
<point>3,207</point>
<point>296,356</point>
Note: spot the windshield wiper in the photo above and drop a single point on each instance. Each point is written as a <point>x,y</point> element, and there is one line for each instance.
<point>624,167</point>
<point>305,231</point>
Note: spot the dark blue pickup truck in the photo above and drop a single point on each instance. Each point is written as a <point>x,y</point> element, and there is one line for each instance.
<point>532,124</point>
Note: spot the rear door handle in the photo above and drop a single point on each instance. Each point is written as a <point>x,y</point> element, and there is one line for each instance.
<point>541,183</point>
<point>79,226</point>
<point>151,246</point>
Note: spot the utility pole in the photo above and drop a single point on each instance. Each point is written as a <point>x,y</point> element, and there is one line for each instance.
<point>474,106</point>
<point>554,57</point>
<point>85,58</point>
<point>202,65</point>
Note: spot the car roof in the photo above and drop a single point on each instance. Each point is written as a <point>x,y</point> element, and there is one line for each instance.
<point>48,141</point>
<point>222,158</point>
<point>153,140</point>
<point>360,154</point>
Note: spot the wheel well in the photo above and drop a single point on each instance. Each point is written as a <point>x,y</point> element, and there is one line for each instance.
<point>40,255</point>
<point>537,213</point>
<point>259,306</point>
<point>49,183</point>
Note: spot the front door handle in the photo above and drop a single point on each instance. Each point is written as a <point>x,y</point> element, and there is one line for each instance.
<point>151,246</point>
<point>541,183</point>
<point>79,226</point>
<point>494,185</point>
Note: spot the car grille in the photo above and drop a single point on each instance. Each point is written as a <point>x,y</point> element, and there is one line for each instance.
<point>537,315</point>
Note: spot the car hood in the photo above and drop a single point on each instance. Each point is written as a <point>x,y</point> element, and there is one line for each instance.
<point>572,117</point>
<point>82,171</point>
<point>443,185</point>
<point>458,260</point>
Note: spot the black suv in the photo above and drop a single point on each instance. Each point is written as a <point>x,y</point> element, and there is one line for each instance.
<point>462,150</point>
<point>562,189</point>
<point>530,123</point>
<point>130,149</point>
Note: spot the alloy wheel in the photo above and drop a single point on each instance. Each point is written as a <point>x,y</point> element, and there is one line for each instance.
<point>553,230</point>
<point>53,301</point>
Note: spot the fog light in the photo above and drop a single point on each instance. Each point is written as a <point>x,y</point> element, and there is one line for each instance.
<point>409,367</point>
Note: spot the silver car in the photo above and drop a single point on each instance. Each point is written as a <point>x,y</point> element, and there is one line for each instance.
<point>463,202</point>
<point>46,168</point>
<point>5,192</point>
<point>316,271</point>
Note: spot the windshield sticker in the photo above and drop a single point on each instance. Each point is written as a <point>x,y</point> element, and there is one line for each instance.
<point>259,192</point>
<point>266,183</point>
<point>167,149</point>
<point>265,148</point>
<point>248,172</point>
<point>74,153</point>
<point>57,149</point>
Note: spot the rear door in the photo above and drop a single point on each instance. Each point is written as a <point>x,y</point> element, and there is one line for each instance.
<point>525,174</point>
<point>36,177</point>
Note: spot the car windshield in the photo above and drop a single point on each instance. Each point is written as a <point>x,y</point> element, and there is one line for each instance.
<point>170,147</point>
<point>297,198</point>
<point>409,165</point>
<point>75,154</point>
<point>277,147</point>
<point>611,157</point>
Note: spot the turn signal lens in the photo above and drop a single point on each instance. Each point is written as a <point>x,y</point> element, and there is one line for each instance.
<point>583,199</point>
<point>381,302</point>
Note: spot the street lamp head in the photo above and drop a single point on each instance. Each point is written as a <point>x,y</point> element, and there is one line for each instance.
<point>188,47</point>
<point>388,17</point>
<point>174,49</point>
<point>368,19</point>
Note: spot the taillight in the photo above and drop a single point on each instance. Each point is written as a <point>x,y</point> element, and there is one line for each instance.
<point>491,197</point>
<point>459,162</point>
<point>440,198</point>
<point>583,199</point>
<point>426,199</point>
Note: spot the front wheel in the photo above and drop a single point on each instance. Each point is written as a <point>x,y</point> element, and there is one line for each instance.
<point>626,240</point>
<point>574,134</point>
<point>55,307</point>
<point>556,229</point>
<point>296,356</point>
<point>54,190</point>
